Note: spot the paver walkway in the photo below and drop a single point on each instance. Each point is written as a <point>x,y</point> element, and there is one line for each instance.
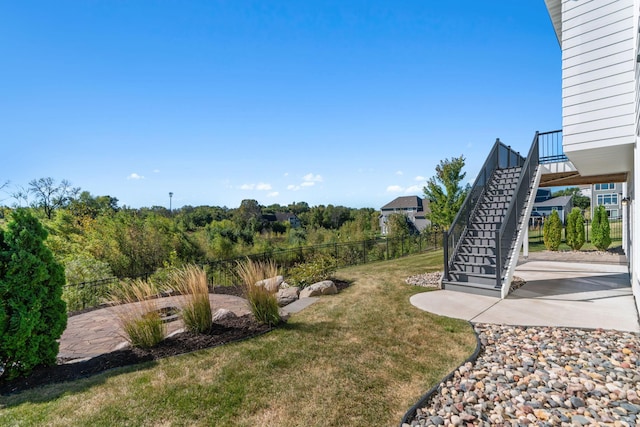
<point>98,332</point>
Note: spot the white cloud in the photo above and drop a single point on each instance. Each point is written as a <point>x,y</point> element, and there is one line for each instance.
<point>247,186</point>
<point>310,177</point>
<point>293,187</point>
<point>135,176</point>
<point>394,189</point>
<point>156,171</point>
<point>308,184</point>
<point>263,187</point>
<point>399,173</point>
<point>420,178</point>
<point>286,174</point>
<point>413,189</point>
<point>273,194</point>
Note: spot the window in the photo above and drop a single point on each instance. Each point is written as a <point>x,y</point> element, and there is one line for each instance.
<point>612,213</point>
<point>608,199</point>
<point>610,186</point>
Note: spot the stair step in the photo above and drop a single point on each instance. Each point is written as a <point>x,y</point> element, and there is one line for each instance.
<point>481,278</point>
<point>471,288</point>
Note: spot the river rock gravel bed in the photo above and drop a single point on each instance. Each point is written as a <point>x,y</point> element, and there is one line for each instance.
<point>542,376</point>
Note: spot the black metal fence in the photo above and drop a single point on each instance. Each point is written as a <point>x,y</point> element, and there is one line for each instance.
<point>615,232</point>
<point>223,272</point>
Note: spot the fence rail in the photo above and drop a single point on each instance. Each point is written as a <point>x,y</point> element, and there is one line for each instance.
<point>84,295</point>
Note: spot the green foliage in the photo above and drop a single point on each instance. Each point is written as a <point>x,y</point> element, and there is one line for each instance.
<point>51,196</point>
<point>319,268</point>
<point>445,192</point>
<point>552,231</point>
<point>600,229</point>
<point>145,331</point>
<point>398,225</point>
<point>32,313</point>
<point>85,268</point>
<point>575,234</point>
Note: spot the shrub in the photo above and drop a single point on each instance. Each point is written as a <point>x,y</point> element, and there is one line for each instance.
<point>262,303</point>
<point>319,268</point>
<point>575,229</point>
<point>140,317</point>
<point>600,229</point>
<point>33,315</point>
<point>552,232</point>
<point>191,281</point>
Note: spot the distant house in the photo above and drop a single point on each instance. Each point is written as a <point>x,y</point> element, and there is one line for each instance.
<point>413,207</point>
<point>545,204</point>
<point>283,217</point>
<point>609,195</point>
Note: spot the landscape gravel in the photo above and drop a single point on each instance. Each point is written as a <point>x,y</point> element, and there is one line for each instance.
<point>542,376</point>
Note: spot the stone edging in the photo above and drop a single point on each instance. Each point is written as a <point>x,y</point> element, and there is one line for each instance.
<point>411,413</point>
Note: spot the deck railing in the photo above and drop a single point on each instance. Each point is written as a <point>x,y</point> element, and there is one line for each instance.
<point>550,147</point>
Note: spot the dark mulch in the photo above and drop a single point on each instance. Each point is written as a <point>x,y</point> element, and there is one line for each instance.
<point>222,332</point>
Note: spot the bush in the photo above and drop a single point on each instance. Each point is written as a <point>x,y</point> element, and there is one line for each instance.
<point>33,315</point>
<point>140,316</point>
<point>600,229</point>
<point>191,281</point>
<point>552,232</point>
<point>575,229</point>
<point>319,268</point>
<point>262,303</point>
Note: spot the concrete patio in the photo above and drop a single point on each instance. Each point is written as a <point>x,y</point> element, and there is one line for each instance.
<point>579,293</point>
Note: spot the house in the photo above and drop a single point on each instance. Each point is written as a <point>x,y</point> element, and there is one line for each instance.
<point>608,194</point>
<point>413,207</point>
<point>283,217</point>
<point>545,204</point>
<point>601,105</point>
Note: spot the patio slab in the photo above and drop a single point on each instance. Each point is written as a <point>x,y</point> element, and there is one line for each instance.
<point>570,294</point>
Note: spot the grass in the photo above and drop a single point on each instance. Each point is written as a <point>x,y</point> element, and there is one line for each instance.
<point>141,321</point>
<point>262,302</point>
<point>361,357</point>
<point>191,281</point>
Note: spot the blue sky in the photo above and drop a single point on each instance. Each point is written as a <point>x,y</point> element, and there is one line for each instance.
<point>344,102</point>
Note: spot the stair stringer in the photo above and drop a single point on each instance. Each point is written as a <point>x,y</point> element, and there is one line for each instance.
<point>515,250</point>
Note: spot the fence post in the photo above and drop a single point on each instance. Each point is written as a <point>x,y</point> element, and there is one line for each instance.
<point>364,252</point>
<point>387,247</point>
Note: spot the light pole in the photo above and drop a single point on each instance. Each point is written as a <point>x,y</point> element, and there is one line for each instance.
<point>170,196</point>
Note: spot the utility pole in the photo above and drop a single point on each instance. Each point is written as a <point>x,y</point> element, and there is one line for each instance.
<point>170,196</point>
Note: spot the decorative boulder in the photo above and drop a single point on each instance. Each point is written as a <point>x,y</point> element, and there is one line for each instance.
<point>223,314</point>
<point>271,284</point>
<point>326,287</point>
<point>287,296</point>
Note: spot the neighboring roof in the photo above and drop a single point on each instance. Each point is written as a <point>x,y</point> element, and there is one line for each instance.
<point>556,201</point>
<point>405,202</point>
<point>284,216</point>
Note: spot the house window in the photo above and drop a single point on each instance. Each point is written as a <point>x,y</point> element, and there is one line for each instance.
<point>608,199</point>
<point>610,186</point>
<point>612,213</point>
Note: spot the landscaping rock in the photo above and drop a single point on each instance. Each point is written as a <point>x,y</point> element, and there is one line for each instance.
<point>287,295</point>
<point>326,287</point>
<point>223,314</point>
<point>271,284</point>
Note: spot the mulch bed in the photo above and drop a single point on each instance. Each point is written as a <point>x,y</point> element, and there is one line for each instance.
<point>222,332</point>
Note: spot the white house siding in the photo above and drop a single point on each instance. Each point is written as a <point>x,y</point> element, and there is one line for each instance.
<point>598,84</point>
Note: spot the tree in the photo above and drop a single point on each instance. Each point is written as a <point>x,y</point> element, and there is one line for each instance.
<point>398,225</point>
<point>50,196</point>
<point>32,312</point>
<point>552,231</point>
<point>445,192</point>
<point>579,200</point>
<point>600,229</point>
<point>575,229</point>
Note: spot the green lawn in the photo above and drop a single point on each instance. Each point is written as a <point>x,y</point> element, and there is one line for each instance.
<point>361,357</point>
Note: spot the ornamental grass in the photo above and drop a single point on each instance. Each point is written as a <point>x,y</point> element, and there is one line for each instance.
<point>139,314</point>
<point>191,282</point>
<point>262,303</point>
